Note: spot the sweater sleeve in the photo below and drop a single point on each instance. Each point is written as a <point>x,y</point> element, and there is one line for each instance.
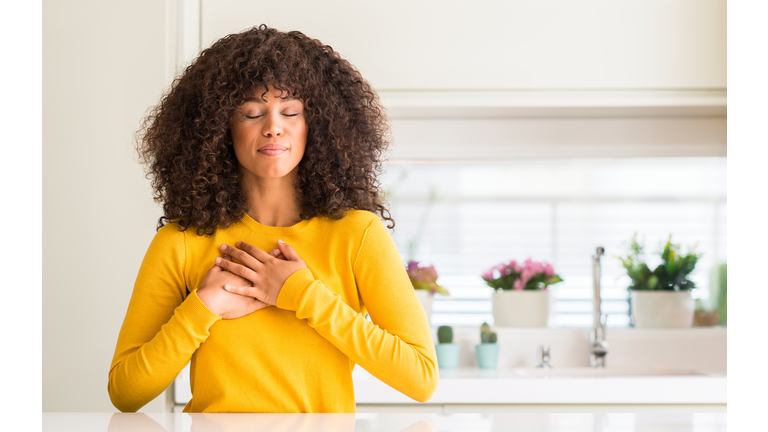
<point>161,329</point>
<point>396,345</point>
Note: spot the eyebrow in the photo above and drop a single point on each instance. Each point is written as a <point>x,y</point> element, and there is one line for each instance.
<point>287,98</point>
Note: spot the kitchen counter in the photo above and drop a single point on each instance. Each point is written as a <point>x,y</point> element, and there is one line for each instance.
<point>642,352</point>
<point>506,386</point>
<point>571,422</point>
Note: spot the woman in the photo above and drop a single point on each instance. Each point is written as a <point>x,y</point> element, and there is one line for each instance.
<point>269,141</point>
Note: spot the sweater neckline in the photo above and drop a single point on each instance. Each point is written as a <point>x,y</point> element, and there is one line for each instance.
<point>272,230</point>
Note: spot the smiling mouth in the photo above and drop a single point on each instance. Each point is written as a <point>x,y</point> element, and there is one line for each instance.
<point>272,150</point>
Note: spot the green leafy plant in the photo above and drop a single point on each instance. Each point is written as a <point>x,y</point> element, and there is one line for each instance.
<point>671,274</point>
<point>445,334</point>
<point>486,334</point>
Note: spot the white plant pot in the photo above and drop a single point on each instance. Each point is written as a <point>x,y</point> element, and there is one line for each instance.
<point>425,298</point>
<point>662,309</point>
<point>527,308</point>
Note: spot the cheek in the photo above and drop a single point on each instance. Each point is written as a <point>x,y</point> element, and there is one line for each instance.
<point>301,140</point>
<point>237,132</point>
<point>303,146</point>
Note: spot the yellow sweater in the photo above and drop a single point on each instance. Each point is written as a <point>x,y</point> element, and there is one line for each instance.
<point>295,357</point>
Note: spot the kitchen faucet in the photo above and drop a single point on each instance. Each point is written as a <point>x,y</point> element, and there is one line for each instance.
<point>599,347</point>
<point>544,357</point>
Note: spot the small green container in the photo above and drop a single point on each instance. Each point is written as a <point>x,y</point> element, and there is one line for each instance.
<point>487,355</point>
<point>447,355</point>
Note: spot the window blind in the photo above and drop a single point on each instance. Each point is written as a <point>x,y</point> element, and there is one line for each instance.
<point>466,217</point>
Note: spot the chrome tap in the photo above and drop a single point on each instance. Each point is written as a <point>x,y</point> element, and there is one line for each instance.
<point>544,357</point>
<point>599,346</point>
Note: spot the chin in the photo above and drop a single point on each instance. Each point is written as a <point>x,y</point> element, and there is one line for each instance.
<point>270,172</point>
<point>275,174</point>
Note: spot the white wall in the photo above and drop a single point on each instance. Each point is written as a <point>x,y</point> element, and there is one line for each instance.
<point>701,349</point>
<point>103,66</point>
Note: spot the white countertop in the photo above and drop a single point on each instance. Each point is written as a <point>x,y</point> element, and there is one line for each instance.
<point>506,386</point>
<point>641,352</point>
<point>537,422</point>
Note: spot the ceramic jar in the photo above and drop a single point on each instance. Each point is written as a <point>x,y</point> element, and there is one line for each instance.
<point>447,355</point>
<point>526,308</point>
<point>487,355</point>
<point>425,298</point>
<point>662,309</point>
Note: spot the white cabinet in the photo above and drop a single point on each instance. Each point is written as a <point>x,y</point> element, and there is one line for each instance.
<point>501,44</point>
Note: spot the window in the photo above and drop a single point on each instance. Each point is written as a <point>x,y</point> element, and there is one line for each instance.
<point>466,217</point>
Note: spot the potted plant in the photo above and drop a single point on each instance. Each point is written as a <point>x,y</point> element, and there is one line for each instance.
<point>661,297</point>
<point>424,281</point>
<point>521,297</point>
<point>447,351</point>
<point>487,352</point>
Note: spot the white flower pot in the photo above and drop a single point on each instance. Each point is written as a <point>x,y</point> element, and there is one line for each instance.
<point>425,298</point>
<point>527,308</point>
<point>662,309</point>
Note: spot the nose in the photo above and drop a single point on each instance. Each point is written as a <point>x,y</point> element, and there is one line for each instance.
<point>273,128</point>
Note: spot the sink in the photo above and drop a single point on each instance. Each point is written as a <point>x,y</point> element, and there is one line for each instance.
<point>587,372</point>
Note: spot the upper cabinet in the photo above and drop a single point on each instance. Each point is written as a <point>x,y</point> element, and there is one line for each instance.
<point>502,45</point>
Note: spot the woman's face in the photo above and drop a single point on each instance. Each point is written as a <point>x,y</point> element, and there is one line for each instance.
<point>269,135</point>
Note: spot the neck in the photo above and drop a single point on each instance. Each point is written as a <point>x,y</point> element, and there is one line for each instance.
<point>272,201</point>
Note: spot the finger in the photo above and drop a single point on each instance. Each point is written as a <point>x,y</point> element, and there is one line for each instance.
<point>244,291</point>
<point>289,252</point>
<point>254,251</point>
<point>218,268</point>
<point>277,254</point>
<point>242,256</point>
<point>236,269</point>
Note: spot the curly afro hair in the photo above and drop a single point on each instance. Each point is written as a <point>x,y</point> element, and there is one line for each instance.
<point>184,140</point>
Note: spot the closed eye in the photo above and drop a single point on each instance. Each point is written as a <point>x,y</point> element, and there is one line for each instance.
<point>253,117</point>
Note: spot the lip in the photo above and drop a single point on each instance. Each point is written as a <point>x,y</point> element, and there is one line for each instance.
<point>272,149</point>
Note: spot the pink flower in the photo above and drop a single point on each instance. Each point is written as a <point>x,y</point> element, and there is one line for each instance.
<point>498,276</point>
<point>533,267</point>
<point>419,273</point>
<point>430,272</point>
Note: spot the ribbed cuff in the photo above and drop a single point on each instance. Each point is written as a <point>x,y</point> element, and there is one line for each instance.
<point>196,312</point>
<point>293,289</point>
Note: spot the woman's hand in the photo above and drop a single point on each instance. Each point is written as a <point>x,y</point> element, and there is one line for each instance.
<point>266,272</point>
<point>221,302</point>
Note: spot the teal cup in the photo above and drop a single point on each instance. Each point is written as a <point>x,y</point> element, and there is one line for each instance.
<point>487,355</point>
<point>447,355</point>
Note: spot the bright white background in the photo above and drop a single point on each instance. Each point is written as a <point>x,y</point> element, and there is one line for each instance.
<point>22,175</point>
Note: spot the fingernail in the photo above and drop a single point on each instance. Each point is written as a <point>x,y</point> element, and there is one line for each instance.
<point>239,244</point>
<point>223,247</point>
<point>228,288</point>
<point>218,260</point>
<point>280,241</point>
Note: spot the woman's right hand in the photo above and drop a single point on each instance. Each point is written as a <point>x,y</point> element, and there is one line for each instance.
<point>221,302</point>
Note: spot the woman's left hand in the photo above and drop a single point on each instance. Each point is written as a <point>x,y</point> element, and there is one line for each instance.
<point>265,271</point>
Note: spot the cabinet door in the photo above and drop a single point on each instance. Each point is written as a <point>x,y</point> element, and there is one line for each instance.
<point>502,44</point>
